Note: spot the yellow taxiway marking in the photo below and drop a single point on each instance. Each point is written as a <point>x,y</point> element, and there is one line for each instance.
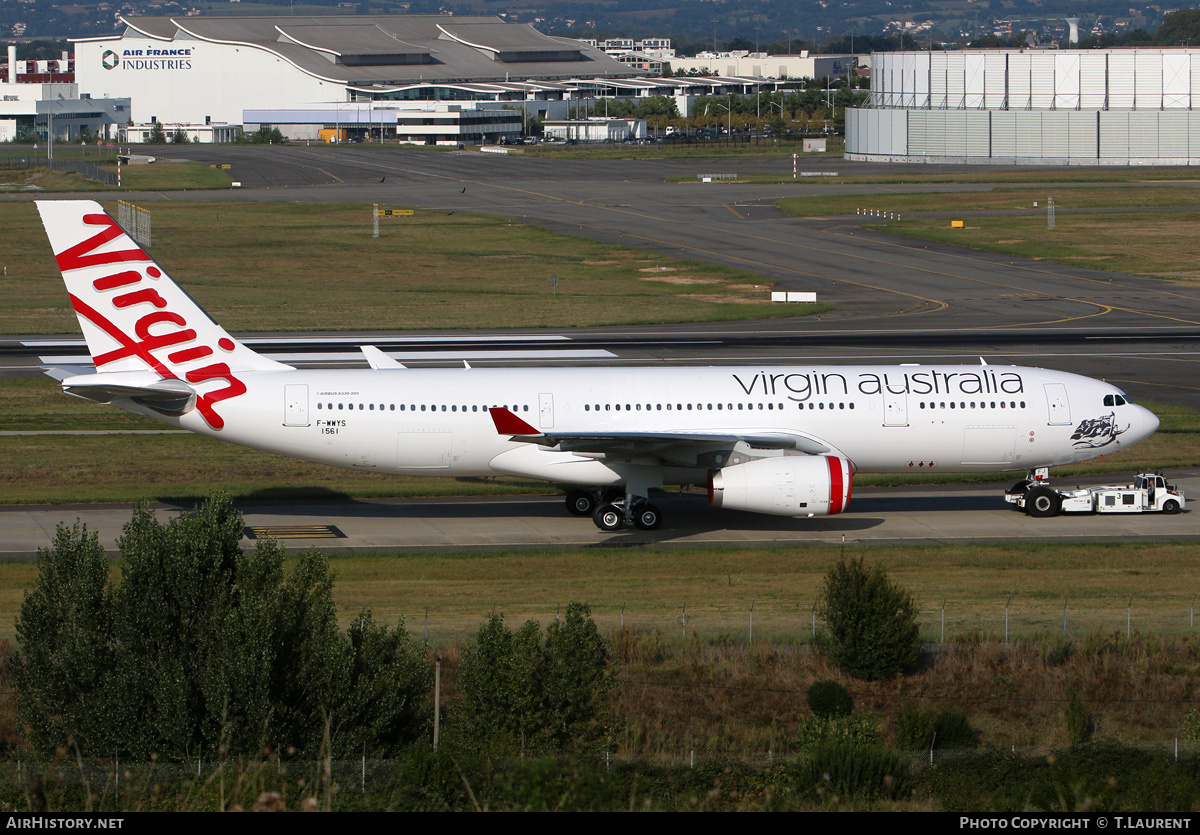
<point>294,532</point>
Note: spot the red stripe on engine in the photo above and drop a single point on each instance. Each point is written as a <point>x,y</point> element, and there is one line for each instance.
<point>835,484</point>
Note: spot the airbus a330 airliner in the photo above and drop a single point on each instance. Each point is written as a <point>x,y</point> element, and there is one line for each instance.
<point>778,440</point>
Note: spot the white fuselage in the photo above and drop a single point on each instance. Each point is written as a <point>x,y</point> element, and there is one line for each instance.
<point>883,418</point>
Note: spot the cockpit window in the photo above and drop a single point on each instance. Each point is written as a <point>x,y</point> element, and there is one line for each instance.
<point>1116,400</point>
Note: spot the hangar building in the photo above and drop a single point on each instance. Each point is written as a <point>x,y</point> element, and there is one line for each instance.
<point>210,70</point>
<point>1123,106</point>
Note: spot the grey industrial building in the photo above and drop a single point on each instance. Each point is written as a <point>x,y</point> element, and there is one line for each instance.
<point>1121,106</point>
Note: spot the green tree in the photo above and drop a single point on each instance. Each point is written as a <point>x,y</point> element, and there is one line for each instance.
<point>180,137</point>
<point>1179,27</point>
<point>62,672</point>
<point>523,691</point>
<point>204,649</point>
<point>157,135</point>
<point>871,622</point>
<point>265,135</point>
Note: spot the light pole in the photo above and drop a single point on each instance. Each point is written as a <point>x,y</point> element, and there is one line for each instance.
<point>50,126</point>
<point>771,104</point>
<point>728,113</point>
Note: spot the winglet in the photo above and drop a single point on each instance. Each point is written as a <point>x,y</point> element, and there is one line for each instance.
<point>508,423</point>
<point>377,359</point>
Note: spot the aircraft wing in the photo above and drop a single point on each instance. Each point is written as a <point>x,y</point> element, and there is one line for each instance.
<point>507,423</point>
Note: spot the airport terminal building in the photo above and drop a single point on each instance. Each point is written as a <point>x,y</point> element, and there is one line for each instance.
<point>1123,106</point>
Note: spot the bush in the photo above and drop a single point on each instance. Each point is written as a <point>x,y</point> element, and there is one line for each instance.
<point>914,728</point>
<point>858,728</point>
<point>920,730</point>
<point>871,622</point>
<point>828,699</point>
<point>265,135</point>
<point>1189,726</point>
<point>1080,725</point>
<point>841,771</point>
<point>206,650</point>
<point>1107,778</point>
<point>523,692</point>
<point>951,730</point>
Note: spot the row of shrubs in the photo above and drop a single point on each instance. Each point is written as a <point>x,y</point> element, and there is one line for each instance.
<point>1106,778</point>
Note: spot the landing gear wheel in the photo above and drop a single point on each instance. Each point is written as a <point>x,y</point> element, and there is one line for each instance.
<point>581,503</point>
<point>609,517</point>
<point>646,516</point>
<point>1170,506</point>
<point>1042,502</point>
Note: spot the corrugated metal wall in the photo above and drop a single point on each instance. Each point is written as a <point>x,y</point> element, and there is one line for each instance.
<point>1097,106</point>
<point>1117,79</point>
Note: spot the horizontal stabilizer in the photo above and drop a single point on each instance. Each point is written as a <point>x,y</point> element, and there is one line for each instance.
<point>172,397</point>
<point>62,372</point>
<point>377,359</point>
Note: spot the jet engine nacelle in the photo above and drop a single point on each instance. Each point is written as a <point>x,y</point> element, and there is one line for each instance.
<point>809,485</point>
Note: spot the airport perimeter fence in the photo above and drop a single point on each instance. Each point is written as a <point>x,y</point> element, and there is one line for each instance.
<point>795,141</point>
<point>84,169</point>
<point>754,622</point>
<point>114,781</point>
<point>135,221</point>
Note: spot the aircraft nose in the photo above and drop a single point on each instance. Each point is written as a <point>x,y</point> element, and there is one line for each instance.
<point>1147,424</point>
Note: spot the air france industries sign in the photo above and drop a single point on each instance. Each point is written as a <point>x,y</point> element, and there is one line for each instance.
<point>150,58</point>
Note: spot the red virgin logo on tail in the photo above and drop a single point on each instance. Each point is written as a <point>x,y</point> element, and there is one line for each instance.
<point>170,328</point>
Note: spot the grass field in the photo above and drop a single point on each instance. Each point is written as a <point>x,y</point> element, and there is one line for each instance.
<point>264,267</point>
<point>671,150</point>
<point>159,176</point>
<point>717,587</point>
<point>1162,244</point>
<point>1148,176</point>
<point>1001,198</point>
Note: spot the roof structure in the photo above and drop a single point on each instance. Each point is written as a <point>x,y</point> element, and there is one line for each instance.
<point>395,50</point>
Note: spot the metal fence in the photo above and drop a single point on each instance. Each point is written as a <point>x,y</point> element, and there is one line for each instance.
<point>115,778</point>
<point>135,221</point>
<point>84,169</point>
<point>750,622</point>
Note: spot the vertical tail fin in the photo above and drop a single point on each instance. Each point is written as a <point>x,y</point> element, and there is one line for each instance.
<point>134,317</point>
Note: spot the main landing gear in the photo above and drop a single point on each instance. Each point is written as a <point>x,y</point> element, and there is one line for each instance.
<point>612,510</point>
